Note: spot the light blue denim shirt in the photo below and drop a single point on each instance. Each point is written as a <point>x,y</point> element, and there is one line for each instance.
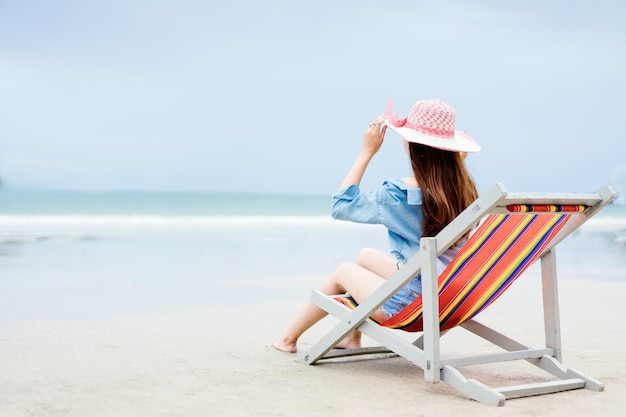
<point>399,208</point>
<point>396,206</point>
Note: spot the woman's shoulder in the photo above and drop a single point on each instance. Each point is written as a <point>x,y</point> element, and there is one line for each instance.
<point>405,189</point>
<point>402,183</point>
<point>410,182</point>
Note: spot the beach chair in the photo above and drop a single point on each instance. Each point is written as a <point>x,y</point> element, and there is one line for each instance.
<point>510,232</point>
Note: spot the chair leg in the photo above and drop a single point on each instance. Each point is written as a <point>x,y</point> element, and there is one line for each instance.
<point>430,303</point>
<point>472,388</point>
<point>551,365</point>
<point>551,303</point>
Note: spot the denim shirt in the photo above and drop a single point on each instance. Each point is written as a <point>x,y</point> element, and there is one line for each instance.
<point>396,206</point>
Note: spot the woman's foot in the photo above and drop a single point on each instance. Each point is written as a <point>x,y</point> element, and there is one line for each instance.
<point>285,346</point>
<point>352,341</point>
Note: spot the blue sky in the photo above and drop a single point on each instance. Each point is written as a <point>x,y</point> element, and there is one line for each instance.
<point>274,96</point>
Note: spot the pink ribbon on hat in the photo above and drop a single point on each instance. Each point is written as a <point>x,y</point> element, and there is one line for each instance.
<point>433,117</point>
<point>393,118</point>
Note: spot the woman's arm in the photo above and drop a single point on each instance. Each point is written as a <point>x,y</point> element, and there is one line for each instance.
<point>372,141</point>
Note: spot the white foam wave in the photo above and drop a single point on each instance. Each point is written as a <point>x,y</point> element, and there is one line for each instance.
<point>24,228</point>
<point>21,228</point>
<point>605,225</point>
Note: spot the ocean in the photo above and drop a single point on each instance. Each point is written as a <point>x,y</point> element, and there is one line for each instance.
<point>89,255</point>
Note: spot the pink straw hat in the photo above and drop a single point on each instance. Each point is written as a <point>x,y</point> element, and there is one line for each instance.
<point>431,123</point>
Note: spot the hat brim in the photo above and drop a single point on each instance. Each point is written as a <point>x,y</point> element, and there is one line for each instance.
<point>461,142</point>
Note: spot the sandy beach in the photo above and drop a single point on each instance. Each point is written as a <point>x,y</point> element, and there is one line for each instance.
<point>101,317</point>
<point>220,362</point>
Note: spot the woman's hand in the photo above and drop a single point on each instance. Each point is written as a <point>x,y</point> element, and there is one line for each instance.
<point>372,141</point>
<point>374,136</point>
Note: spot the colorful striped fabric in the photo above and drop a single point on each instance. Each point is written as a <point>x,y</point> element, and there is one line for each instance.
<point>545,208</point>
<point>499,251</point>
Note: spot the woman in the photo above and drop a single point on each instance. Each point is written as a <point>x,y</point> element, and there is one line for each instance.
<point>410,208</point>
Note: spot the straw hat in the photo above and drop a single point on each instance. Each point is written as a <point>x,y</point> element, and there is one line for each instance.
<point>431,123</point>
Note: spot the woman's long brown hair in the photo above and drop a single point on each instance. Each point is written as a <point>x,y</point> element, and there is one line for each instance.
<point>447,187</point>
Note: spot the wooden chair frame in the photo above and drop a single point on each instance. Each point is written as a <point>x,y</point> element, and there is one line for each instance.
<point>425,350</point>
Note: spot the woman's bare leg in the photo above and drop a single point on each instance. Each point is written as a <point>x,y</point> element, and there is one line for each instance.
<point>379,263</point>
<point>307,317</point>
<point>348,277</point>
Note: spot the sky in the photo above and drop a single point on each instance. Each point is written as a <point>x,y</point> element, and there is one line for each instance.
<point>274,96</point>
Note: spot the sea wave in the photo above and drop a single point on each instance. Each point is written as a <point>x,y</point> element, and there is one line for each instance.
<point>152,220</point>
<point>22,228</point>
<point>19,228</point>
<point>605,224</point>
